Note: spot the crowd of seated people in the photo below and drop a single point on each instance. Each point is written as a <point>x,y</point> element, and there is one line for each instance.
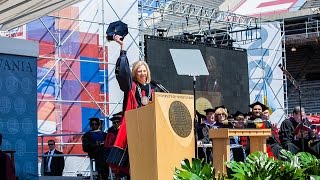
<point>259,117</point>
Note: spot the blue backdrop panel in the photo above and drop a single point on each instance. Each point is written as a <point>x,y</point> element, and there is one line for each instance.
<point>89,71</point>
<point>18,112</point>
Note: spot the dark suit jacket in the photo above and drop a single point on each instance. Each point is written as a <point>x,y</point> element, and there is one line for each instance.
<point>57,163</point>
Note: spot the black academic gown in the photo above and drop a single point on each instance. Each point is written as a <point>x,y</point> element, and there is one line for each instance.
<point>203,136</point>
<point>95,151</point>
<point>291,143</point>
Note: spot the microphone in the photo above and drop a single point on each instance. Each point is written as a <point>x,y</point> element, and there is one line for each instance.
<point>157,84</point>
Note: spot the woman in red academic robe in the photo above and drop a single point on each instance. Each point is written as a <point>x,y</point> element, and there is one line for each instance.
<point>137,92</point>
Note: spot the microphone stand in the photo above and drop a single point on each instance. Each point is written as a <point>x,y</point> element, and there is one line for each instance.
<point>160,86</point>
<point>297,87</point>
<point>163,88</point>
<point>195,122</point>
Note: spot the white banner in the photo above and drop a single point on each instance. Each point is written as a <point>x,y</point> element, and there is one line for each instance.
<point>264,56</point>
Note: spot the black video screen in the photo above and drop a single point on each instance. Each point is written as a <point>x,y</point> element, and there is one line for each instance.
<point>227,83</point>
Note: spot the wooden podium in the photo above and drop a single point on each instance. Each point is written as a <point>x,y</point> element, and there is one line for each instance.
<point>221,143</point>
<point>160,136</point>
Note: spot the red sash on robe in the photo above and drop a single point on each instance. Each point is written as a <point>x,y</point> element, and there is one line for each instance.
<point>121,141</point>
<point>120,145</point>
<point>118,155</point>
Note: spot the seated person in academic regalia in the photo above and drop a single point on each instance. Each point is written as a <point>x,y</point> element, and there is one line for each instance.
<point>93,144</point>
<point>221,117</point>
<point>256,115</point>
<point>291,136</point>
<point>203,135</point>
<point>260,119</point>
<point>238,144</point>
<point>7,170</point>
<point>253,120</point>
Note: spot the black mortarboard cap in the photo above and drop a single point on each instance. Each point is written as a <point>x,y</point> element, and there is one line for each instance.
<point>95,119</point>
<point>258,103</point>
<point>115,118</point>
<point>119,114</point>
<point>117,28</point>
<point>238,113</point>
<point>209,110</point>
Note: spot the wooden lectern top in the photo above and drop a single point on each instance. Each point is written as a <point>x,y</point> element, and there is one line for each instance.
<point>226,133</point>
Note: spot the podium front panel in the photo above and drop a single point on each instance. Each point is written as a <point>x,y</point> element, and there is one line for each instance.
<point>160,136</point>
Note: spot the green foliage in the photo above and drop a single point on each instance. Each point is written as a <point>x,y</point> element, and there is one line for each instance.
<point>198,171</point>
<point>310,163</point>
<point>304,161</point>
<point>257,166</point>
<point>290,167</point>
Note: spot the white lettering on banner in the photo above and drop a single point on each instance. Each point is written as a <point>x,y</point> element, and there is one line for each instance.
<point>256,7</point>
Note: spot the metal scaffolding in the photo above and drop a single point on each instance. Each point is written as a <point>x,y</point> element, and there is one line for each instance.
<point>177,12</point>
<point>177,16</point>
<point>201,13</point>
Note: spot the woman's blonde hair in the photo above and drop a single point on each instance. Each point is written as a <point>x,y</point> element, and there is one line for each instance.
<point>135,67</point>
<point>220,111</point>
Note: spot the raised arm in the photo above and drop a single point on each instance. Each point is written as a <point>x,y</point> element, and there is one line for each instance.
<point>122,71</point>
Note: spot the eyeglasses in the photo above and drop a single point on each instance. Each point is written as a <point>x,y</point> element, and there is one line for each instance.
<point>50,144</point>
<point>92,124</point>
<point>220,114</point>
